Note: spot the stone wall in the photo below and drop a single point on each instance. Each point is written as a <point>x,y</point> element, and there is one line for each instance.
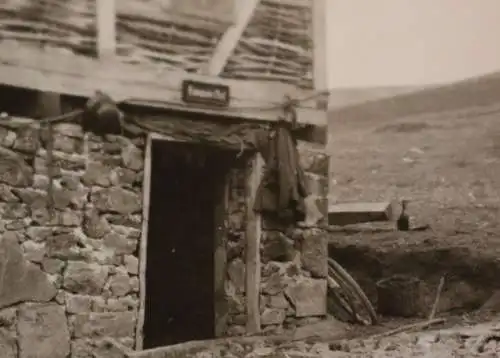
<point>294,261</point>
<point>69,276</point>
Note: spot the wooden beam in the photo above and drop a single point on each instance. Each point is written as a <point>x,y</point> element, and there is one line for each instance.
<point>320,65</point>
<point>231,37</point>
<point>220,257</point>
<point>22,66</point>
<point>146,193</point>
<point>253,234</point>
<point>106,28</point>
<point>294,3</point>
<point>355,213</point>
<point>49,105</point>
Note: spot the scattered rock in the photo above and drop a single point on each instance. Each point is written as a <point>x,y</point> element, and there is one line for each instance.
<point>325,330</point>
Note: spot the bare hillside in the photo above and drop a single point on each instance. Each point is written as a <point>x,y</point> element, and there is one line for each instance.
<point>349,96</point>
<point>440,148</point>
<point>475,92</point>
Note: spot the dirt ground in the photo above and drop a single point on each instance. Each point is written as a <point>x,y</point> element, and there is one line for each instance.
<point>448,166</point>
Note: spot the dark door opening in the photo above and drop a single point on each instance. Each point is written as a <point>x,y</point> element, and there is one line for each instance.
<point>179,303</point>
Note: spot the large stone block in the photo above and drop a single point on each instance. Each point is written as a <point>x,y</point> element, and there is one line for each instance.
<point>8,343</point>
<point>308,296</point>
<point>108,324</point>
<point>21,280</point>
<point>236,273</point>
<point>116,200</point>
<point>94,225</point>
<point>43,331</point>
<point>14,170</point>
<point>317,185</point>
<point>132,158</point>
<point>85,278</point>
<point>277,247</point>
<point>27,140</point>
<point>314,254</point>
<point>313,158</point>
<point>97,174</point>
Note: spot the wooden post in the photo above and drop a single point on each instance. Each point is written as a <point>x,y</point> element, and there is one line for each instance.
<point>146,192</point>
<point>320,69</point>
<point>49,105</point>
<point>106,28</point>
<point>253,234</point>
<point>220,257</point>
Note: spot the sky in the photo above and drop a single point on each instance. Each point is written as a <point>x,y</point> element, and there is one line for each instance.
<point>411,42</point>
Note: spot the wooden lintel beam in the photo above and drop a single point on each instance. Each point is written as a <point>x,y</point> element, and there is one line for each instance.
<point>106,28</point>
<point>231,37</point>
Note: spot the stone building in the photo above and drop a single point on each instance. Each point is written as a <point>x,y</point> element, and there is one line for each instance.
<point>145,237</point>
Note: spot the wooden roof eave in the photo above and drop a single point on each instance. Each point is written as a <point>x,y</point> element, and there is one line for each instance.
<point>51,71</point>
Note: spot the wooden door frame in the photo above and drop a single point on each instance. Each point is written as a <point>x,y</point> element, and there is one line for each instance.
<point>143,245</point>
<point>253,233</point>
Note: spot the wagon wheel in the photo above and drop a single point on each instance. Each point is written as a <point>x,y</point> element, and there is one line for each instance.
<point>348,297</point>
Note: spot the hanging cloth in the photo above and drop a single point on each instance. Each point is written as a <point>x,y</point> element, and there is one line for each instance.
<point>282,190</point>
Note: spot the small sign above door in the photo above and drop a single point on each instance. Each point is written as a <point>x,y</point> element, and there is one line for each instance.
<point>205,93</point>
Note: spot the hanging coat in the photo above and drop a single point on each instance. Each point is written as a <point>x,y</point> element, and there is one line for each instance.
<point>282,190</point>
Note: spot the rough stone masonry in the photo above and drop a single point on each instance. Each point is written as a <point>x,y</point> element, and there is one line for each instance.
<point>69,277</point>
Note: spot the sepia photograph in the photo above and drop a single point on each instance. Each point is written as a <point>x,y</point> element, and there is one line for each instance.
<point>249,178</point>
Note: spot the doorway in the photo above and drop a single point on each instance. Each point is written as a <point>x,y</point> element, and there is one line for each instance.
<point>185,189</point>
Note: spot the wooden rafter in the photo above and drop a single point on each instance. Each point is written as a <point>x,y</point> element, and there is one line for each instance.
<point>106,28</point>
<point>231,37</point>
